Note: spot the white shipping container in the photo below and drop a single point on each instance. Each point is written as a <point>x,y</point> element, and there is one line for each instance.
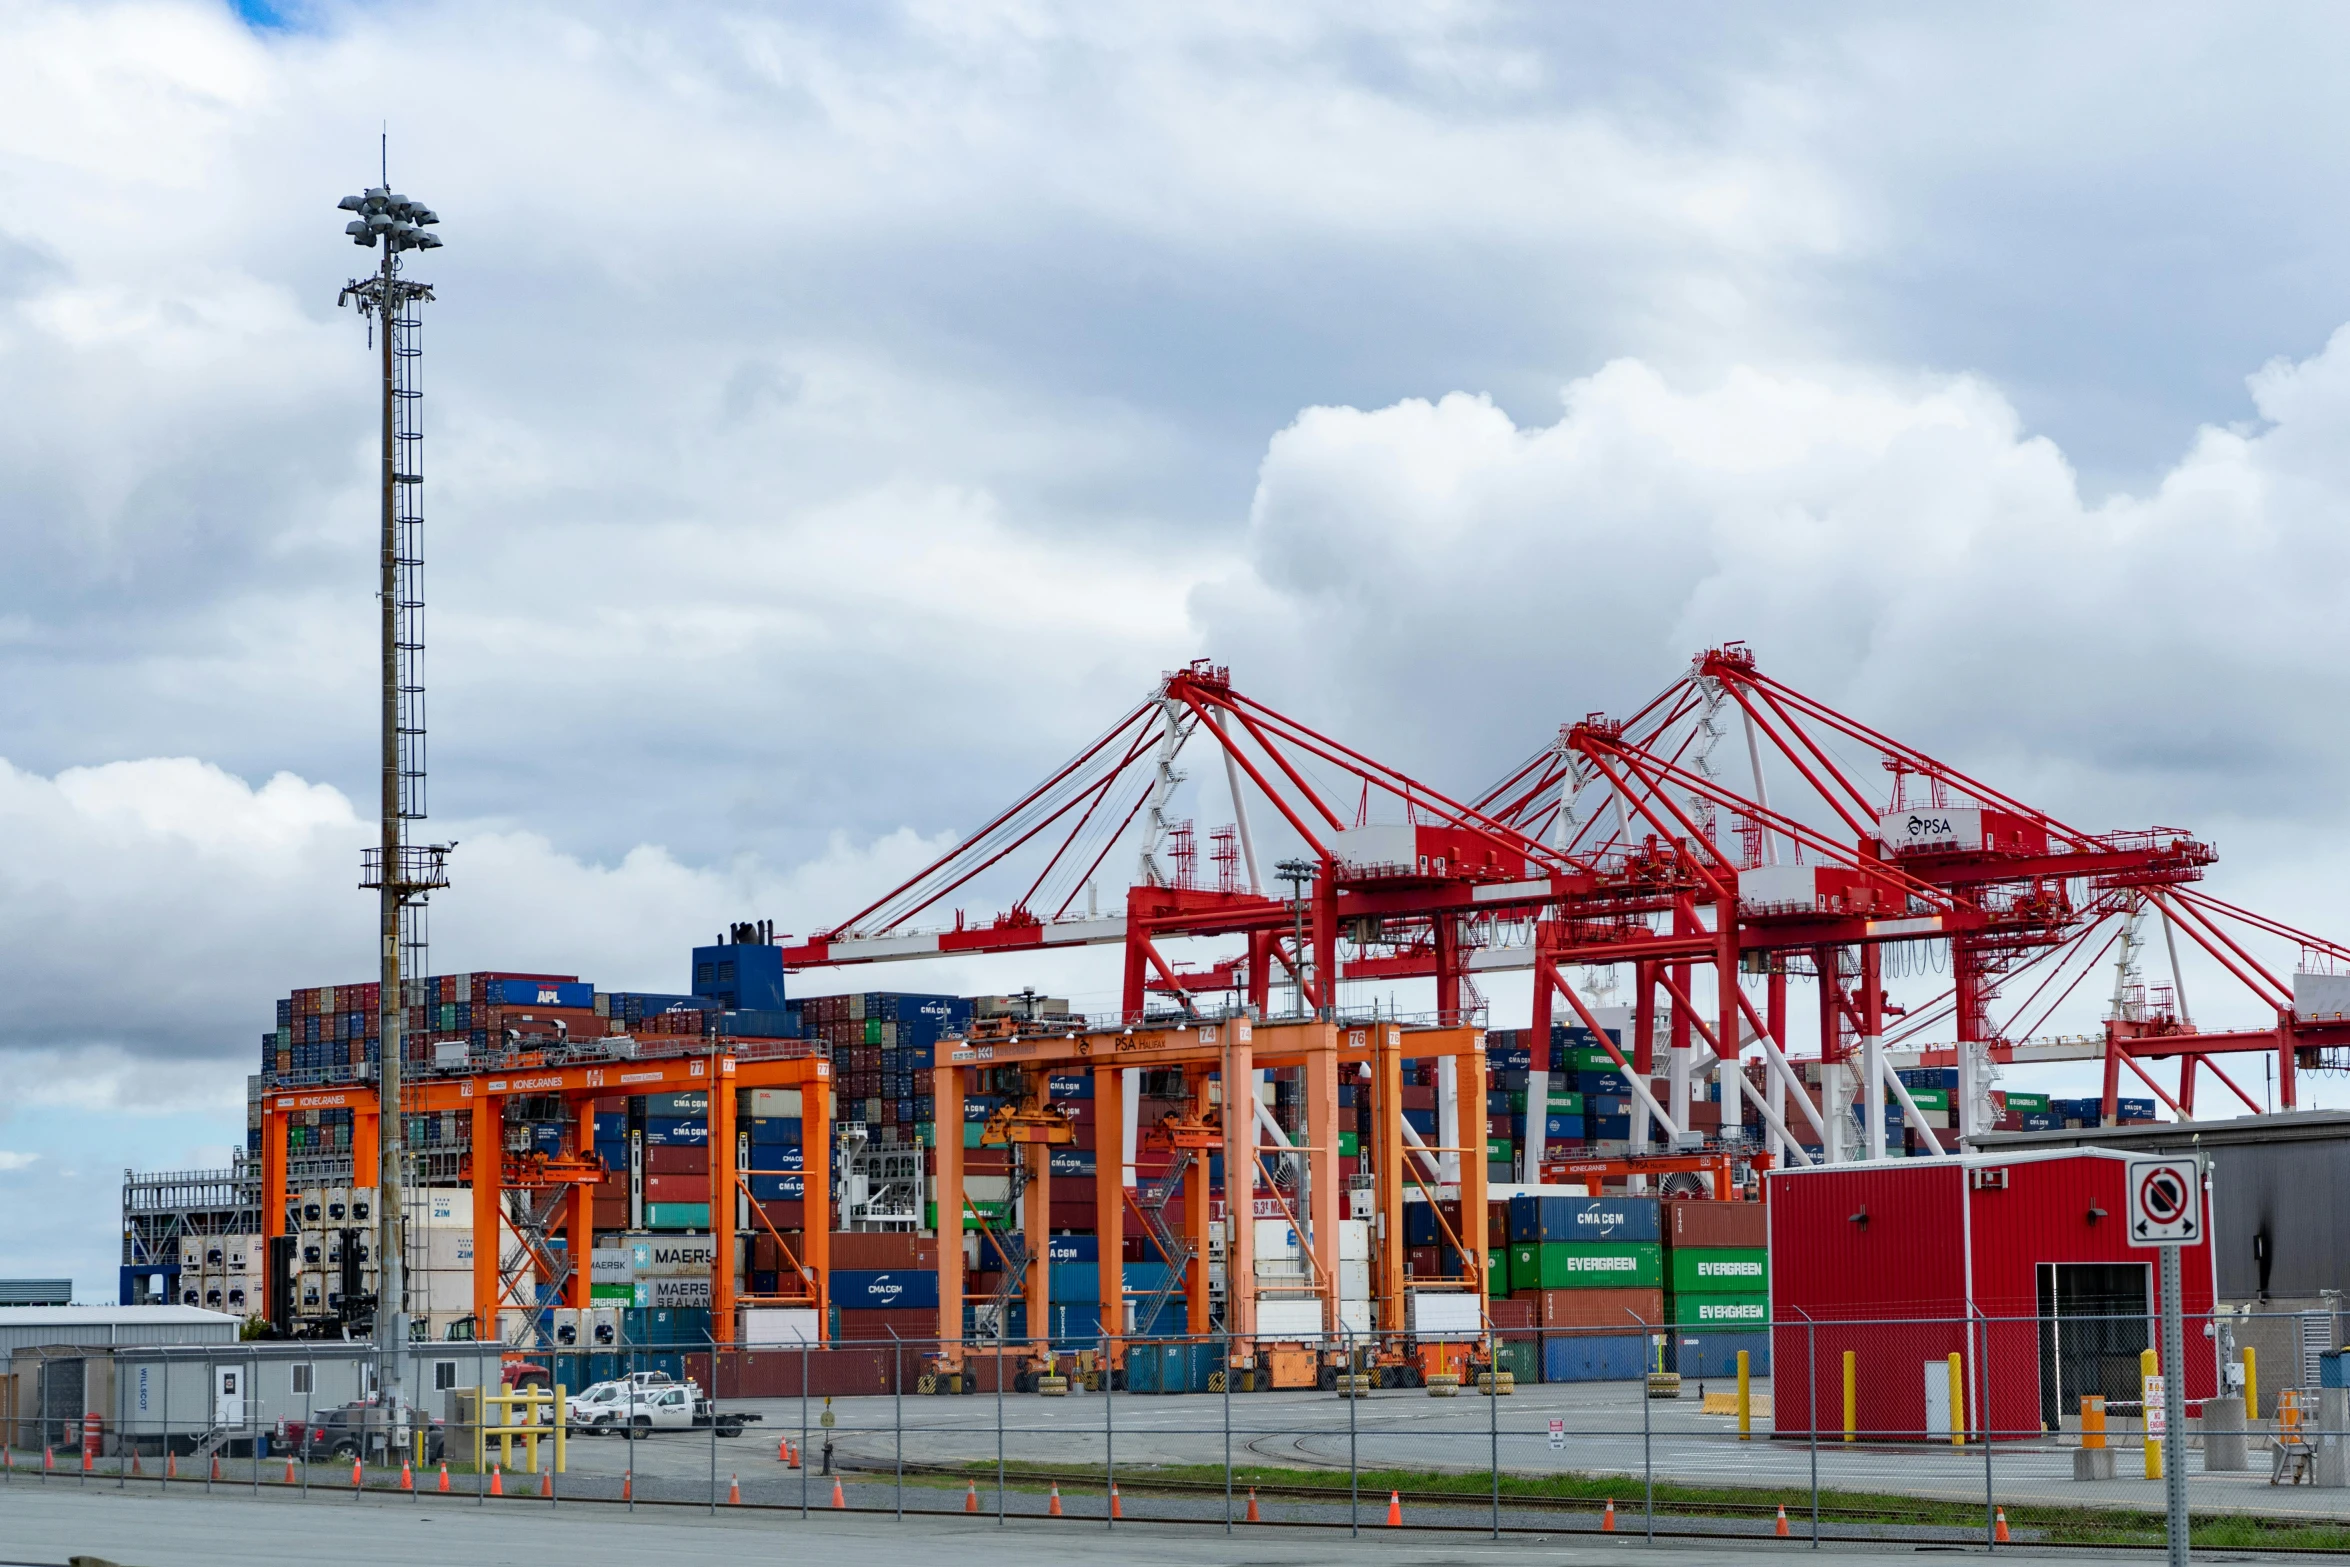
<point>783,1102</point>
<point>1276,1238</point>
<point>450,1206</point>
<point>1354,1280</point>
<point>1446,1314</point>
<point>1354,1240</point>
<point>672,1256</point>
<point>780,1325</point>
<point>1289,1319</point>
<point>1355,1316</point>
<point>611,1265</point>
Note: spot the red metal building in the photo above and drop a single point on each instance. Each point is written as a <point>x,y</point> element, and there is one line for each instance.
<point>2019,1264</point>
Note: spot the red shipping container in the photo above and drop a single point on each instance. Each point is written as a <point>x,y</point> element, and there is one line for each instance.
<point>1692,1221</point>
<point>868,1326</point>
<point>669,1160</point>
<point>1420,1262</point>
<point>884,1249</point>
<point>677,1188</point>
<point>1616,1309</point>
<point>1516,1312</point>
<point>784,1214</point>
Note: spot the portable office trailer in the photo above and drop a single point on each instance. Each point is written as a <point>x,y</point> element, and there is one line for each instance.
<point>2019,1264</point>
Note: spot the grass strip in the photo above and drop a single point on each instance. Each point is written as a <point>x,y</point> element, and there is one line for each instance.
<point>2047,1523</point>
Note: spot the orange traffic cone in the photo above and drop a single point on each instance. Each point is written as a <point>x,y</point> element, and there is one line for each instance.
<point>444,1486</point>
<point>1394,1510</point>
<point>497,1481</point>
<point>971,1498</point>
<point>135,1469</point>
<point>356,1479</point>
<point>791,1455</point>
<point>1780,1529</point>
<point>171,1466</point>
<point>1999,1526</point>
<point>216,1466</point>
<point>48,1460</point>
<point>1607,1520</point>
<point>289,1469</point>
<point>1116,1510</point>
<point>783,1449</point>
<point>1252,1506</point>
<point>547,1484</point>
<point>627,1486</point>
<point>1054,1510</point>
<point>734,1491</point>
<point>407,1476</point>
<point>836,1497</point>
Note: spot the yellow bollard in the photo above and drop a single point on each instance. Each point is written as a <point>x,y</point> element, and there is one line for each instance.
<point>1957,1400</point>
<point>2251,1383</point>
<point>1851,1394</point>
<point>2092,1420</point>
<point>1745,1401</point>
<point>2149,1367</point>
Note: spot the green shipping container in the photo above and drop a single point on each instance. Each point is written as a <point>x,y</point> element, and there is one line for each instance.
<point>971,1131</point>
<point>1722,1311</point>
<point>1927,1098</point>
<point>2028,1104</point>
<point>617,1294</point>
<point>1554,1265</point>
<point>1497,1272</point>
<point>1350,1144</point>
<point>1499,1150</point>
<point>1709,1270</point>
<point>1589,1058</point>
<point>677,1216</point>
<point>1520,1357</point>
<point>1565,1102</point>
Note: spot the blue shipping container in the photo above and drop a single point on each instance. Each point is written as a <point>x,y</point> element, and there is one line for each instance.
<point>677,1132</point>
<point>1597,1357</point>
<point>1072,1248</point>
<point>1072,1161</point>
<point>869,1289</point>
<point>778,1188</point>
<point>1716,1354</point>
<point>611,1125</point>
<point>1536,1218</point>
<point>1072,1085</point>
<point>777,1156</point>
<point>541,993</point>
<point>774,1129</point>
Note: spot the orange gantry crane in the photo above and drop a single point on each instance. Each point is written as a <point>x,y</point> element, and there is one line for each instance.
<point>595,1070</point>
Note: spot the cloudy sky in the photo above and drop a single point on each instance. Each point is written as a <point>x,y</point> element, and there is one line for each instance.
<point>839,413</point>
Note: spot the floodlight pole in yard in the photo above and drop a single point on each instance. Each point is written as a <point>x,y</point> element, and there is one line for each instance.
<point>401,880</point>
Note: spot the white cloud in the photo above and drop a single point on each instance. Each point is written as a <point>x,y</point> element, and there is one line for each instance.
<point>11,1160</point>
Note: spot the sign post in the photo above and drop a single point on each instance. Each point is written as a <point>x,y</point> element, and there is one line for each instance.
<point>2166,1212</point>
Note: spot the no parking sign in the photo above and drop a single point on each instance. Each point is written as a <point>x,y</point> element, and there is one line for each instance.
<point>2166,1201</point>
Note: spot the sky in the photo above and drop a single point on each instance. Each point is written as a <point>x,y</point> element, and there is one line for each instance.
<point>836,415</point>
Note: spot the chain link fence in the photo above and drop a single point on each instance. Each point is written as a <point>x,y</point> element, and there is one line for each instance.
<point>1976,1430</point>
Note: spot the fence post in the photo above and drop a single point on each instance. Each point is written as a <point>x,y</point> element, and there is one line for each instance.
<point>1811,1355</point>
<point>803,1426</point>
<point>999,1423</point>
<point>1983,1424</point>
<point>164,1468</point>
<point>1647,1452</point>
<point>1493,1425</point>
<point>628,1433</point>
<point>1109,1439</point>
<point>309,1421</point>
<point>1228,1430</point>
<point>1354,1472</point>
<point>253,1448</point>
<point>897,1405</point>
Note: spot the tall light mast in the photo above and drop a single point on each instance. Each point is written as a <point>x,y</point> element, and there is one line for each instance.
<point>402,874</point>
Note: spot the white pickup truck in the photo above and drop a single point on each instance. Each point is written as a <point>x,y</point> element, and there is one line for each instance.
<point>630,1409</point>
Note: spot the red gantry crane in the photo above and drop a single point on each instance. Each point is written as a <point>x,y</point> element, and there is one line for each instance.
<point>1874,854</point>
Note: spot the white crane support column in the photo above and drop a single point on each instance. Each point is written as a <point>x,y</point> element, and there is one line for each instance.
<point>1762,788</point>
<point>1248,842</point>
<point>1872,1111</point>
<point>1448,1119</point>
